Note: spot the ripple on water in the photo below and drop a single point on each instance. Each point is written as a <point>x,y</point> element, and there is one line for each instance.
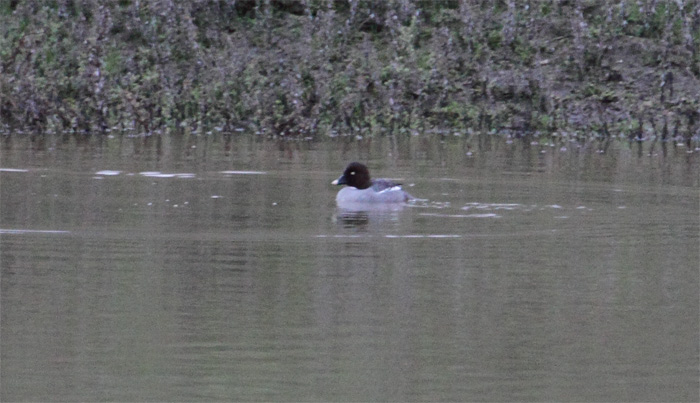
<point>13,170</point>
<point>243,172</point>
<point>425,203</point>
<point>475,215</point>
<point>512,207</point>
<point>32,231</point>
<point>393,236</point>
<point>493,206</point>
<point>157,174</point>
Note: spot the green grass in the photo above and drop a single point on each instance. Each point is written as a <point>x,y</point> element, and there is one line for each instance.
<point>345,66</point>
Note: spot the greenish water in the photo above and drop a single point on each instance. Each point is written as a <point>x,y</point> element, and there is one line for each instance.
<point>198,268</point>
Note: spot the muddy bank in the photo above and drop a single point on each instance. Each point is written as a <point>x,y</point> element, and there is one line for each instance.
<point>327,68</point>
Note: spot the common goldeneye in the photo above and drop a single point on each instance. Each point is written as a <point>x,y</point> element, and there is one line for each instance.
<point>362,189</point>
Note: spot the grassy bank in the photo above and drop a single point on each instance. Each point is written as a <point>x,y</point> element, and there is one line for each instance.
<point>341,67</point>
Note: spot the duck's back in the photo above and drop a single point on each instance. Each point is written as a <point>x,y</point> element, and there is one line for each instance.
<point>380,185</point>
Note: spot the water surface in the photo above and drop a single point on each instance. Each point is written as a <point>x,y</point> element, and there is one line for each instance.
<point>219,268</point>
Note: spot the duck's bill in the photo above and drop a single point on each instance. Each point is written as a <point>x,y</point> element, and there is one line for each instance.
<point>339,181</point>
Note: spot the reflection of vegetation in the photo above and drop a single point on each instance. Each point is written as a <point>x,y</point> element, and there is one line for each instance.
<point>324,66</point>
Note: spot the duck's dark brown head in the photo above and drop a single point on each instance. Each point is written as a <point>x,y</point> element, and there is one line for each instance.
<point>355,175</point>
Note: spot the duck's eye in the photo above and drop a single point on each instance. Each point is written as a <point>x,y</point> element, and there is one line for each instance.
<point>352,173</point>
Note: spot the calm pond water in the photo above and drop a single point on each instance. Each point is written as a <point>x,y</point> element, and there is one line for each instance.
<point>218,268</point>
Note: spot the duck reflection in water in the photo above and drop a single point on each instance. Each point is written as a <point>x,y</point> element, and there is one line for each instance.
<point>358,215</point>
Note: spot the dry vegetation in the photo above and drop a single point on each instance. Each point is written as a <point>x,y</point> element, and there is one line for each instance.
<point>336,67</point>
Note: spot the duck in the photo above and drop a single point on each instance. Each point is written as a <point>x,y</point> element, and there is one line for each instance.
<point>361,188</point>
